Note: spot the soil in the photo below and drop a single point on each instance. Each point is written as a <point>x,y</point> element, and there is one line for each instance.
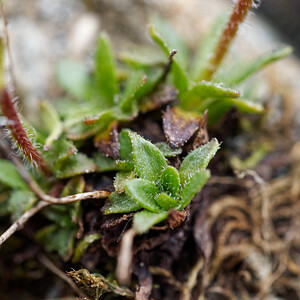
<point>240,239</point>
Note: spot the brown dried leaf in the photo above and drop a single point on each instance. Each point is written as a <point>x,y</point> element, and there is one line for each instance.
<point>179,126</point>
<point>115,221</point>
<point>176,218</point>
<point>161,98</point>
<point>202,136</point>
<point>107,142</point>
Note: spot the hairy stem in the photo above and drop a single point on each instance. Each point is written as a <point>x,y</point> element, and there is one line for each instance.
<point>239,13</point>
<point>19,134</point>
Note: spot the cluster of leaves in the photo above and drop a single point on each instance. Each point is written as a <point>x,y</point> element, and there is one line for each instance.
<point>147,182</point>
<point>97,101</point>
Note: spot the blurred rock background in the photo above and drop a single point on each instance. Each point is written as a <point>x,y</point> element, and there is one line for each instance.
<point>42,32</point>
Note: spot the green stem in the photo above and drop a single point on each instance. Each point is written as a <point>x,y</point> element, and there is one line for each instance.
<point>237,17</point>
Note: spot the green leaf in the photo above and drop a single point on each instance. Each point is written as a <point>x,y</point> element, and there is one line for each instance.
<point>193,185</point>
<point>144,220</point>
<point>74,78</point>
<point>170,182</point>
<point>83,245</point>
<point>90,125</point>
<point>121,179</point>
<point>218,108</point>
<point>104,164</point>
<point>166,202</point>
<point>55,238</point>
<point>74,186</point>
<point>125,165</point>
<point>167,150</point>
<point>10,177</point>
<point>142,57</point>
<point>193,98</point>
<point>143,192</point>
<point>125,145</point>
<point>180,78</point>
<point>51,122</point>
<point>76,164</point>
<point>120,203</point>
<point>105,73</point>
<point>128,101</point>
<point>172,39</point>
<point>149,161</point>
<point>19,202</point>
<point>243,72</point>
<point>197,160</point>
<point>154,77</point>
<point>59,151</point>
<point>206,48</point>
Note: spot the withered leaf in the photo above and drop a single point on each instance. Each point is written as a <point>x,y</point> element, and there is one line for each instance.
<point>179,126</point>
<point>166,94</point>
<point>107,141</point>
<point>176,218</point>
<point>202,135</point>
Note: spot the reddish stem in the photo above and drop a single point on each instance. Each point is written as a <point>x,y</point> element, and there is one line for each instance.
<point>239,13</point>
<point>19,134</point>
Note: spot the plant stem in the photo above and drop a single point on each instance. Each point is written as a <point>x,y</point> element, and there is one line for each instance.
<point>53,268</point>
<point>237,17</point>
<point>22,220</point>
<point>19,134</point>
<point>39,193</point>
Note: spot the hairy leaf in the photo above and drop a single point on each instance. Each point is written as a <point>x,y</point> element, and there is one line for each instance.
<point>194,96</point>
<point>144,220</point>
<point>166,202</point>
<point>167,150</point>
<point>59,151</point>
<point>143,192</point>
<point>170,182</point>
<point>125,165</point>
<point>197,160</point>
<point>192,185</point>
<point>120,203</point>
<point>121,179</point>
<point>149,161</point>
